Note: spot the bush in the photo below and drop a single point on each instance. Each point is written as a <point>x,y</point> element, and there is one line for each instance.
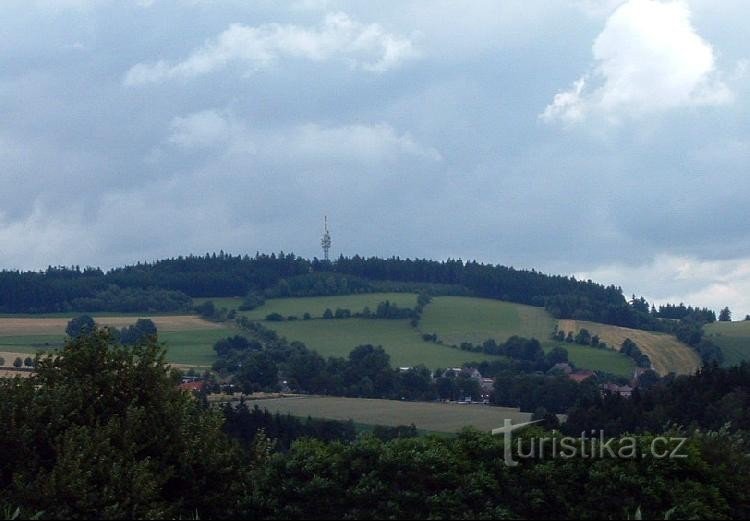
<point>275,317</point>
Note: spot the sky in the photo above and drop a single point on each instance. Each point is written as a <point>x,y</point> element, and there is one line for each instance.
<point>606,139</point>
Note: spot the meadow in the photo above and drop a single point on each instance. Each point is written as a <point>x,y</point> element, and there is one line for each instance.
<point>466,319</point>
<point>316,306</point>
<point>733,338</point>
<point>433,417</point>
<point>402,342</point>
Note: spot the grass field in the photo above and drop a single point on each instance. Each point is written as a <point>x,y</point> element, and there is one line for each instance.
<point>316,306</point>
<point>435,417</point>
<point>667,354</point>
<point>402,342</point>
<point>465,319</point>
<point>733,338</point>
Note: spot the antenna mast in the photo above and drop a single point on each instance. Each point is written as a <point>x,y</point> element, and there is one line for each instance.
<point>326,241</point>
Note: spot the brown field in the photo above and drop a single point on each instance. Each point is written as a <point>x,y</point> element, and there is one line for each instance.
<point>56,326</point>
<point>667,354</point>
<point>435,417</point>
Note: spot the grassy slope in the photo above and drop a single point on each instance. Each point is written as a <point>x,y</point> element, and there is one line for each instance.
<point>665,351</point>
<point>463,319</point>
<point>436,417</point>
<point>316,306</point>
<point>733,338</point>
<point>402,342</point>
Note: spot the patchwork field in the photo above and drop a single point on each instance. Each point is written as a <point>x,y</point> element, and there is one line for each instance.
<point>402,342</point>
<point>666,353</point>
<point>733,338</point>
<point>435,417</point>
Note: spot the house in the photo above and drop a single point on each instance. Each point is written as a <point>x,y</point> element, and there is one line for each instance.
<point>472,372</point>
<point>194,386</point>
<point>563,367</point>
<point>623,390</point>
<point>581,376</point>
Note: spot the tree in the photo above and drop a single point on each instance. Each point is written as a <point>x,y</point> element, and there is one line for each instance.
<point>102,431</point>
<point>725,315</point>
<point>142,329</point>
<point>18,363</point>
<point>2,361</point>
<point>80,326</point>
<point>28,362</point>
<point>328,314</point>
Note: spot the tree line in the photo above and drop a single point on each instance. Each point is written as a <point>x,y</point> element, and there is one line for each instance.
<point>274,275</point>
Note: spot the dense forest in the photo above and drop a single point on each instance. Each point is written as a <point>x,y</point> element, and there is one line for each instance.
<point>166,285</point>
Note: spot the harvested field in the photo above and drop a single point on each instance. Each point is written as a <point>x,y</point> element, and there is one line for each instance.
<point>667,354</point>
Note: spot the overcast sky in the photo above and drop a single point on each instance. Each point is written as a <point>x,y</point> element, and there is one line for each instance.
<point>608,139</point>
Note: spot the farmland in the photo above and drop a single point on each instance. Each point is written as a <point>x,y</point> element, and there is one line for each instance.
<point>465,319</point>
<point>733,338</point>
<point>402,342</point>
<point>316,306</point>
<point>189,339</point>
<point>434,417</point>
<point>666,353</point>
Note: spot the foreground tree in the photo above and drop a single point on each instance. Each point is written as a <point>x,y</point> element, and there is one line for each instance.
<point>102,431</point>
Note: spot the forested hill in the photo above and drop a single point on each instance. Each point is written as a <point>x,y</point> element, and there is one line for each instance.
<point>216,275</point>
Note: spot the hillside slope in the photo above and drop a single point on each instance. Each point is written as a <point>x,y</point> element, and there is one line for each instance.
<point>667,354</point>
<point>733,338</point>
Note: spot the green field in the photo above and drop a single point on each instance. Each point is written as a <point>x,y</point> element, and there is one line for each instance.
<point>316,306</point>
<point>30,344</point>
<point>733,338</point>
<point>402,342</point>
<point>194,348</point>
<point>607,360</point>
<point>434,417</point>
<point>465,319</point>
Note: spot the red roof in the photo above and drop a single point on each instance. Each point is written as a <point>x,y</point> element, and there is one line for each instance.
<point>580,376</point>
<point>192,386</point>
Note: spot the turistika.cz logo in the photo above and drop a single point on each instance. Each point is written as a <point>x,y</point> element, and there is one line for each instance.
<point>593,445</point>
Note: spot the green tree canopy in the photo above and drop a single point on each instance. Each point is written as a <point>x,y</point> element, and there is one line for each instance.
<point>102,431</point>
